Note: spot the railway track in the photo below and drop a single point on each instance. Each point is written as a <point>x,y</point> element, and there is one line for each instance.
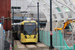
<point>38,46</point>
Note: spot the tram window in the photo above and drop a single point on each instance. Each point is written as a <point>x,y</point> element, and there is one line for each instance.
<point>22,28</point>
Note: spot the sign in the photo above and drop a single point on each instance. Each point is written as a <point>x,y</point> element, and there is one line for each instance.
<point>51,33</point>
<point>29,24</point>
<point>15,7</point>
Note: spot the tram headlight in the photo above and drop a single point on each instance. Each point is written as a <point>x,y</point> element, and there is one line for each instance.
<point>25,36</point>
<point>34,36</point>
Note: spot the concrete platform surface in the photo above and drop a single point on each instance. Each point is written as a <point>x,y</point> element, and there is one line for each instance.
<point>18,42</point>
<point>31,46</point>
<point>41,45</point>
<point>21,46</point>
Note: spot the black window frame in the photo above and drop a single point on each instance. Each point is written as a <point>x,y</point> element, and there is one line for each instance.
<point>22,28</point>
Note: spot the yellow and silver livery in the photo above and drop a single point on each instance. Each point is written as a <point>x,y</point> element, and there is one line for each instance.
<point>27,32</point>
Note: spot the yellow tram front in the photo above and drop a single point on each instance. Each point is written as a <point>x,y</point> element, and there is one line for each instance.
<point>28,32</point>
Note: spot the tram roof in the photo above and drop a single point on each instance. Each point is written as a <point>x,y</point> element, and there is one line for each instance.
<point>22,23</point>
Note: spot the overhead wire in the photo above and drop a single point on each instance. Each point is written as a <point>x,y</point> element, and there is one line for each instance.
<point>23,4</point>
<point>29,5</point>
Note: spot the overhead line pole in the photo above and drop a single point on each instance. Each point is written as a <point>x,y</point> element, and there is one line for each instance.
<point>38,19</point>
<point>13,24</point>
<point>51,44</point>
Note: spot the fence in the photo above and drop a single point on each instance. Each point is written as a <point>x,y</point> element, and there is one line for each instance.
<point>8,40</point>
<point>59,40</point>
<point>1,38</point>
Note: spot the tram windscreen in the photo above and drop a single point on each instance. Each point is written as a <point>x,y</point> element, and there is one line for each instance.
<point>30,28</point>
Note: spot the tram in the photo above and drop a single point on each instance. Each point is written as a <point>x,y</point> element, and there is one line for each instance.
<point>27,32</point>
